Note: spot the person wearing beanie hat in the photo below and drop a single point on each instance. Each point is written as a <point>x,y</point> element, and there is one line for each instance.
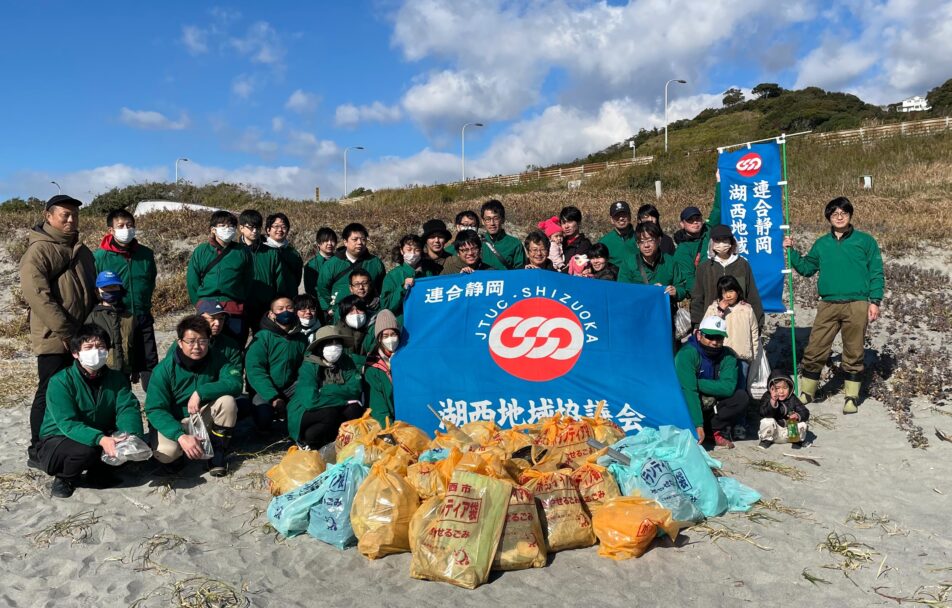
<point>58,282</point>
<point>111,315</point>
<point>328,390</point>
<point>707,371</point>
<point>378,379</point>
<point>723,260</point>
<point>778,407</point>
<point>553,232</point>
<point>435,238</point>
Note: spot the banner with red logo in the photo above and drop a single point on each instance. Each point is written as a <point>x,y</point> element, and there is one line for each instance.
<point>521,345</point>
<point>752,205</point>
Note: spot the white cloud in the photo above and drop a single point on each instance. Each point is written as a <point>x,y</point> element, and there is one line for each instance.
<point>262,44</point>
<point>277,124</point>
<point>151,120</point>
<point>834,65</point>
<point>195,39</point>
<point>302,102</point>
<point>243,86</point>
<point>349,115</point>
<point>84,184</point>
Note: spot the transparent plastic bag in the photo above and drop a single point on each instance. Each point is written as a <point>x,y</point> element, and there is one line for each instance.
<point>196,428</point>
<point>128,448</point>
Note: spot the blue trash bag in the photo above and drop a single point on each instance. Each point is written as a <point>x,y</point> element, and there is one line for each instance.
<point>653,478</point>
<point>434,455</point>
<point>689,463</point>
<point>740,498</point>
<point>329,517</point>
<point>288,512</point>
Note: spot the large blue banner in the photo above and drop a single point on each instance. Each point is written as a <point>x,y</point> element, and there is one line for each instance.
<point>520,345</point>
<point>752,205</point>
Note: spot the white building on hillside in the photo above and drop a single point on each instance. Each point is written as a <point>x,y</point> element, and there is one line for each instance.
<point>914,104</point>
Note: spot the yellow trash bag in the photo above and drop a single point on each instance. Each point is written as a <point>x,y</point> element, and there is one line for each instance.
<point>481,431</point>
<point>458,547</point>
<point>431,478</point>
<point>594,483</point>
<point>512,441</point>
<point>427,513</point>
<point>523,543</point>
<point>566,440</point>
<point>605,430</point>
<point>354,429</point>
<point>626,525</point>
<point>565,522</point>
<point>407,435</point>
<point>381,513</point>
<point>296,468</point>
<point>452,438</point>
<point>372,451</point>
<point>490,463</point>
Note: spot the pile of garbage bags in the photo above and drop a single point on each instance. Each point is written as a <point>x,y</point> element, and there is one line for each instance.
<point>478,498</point>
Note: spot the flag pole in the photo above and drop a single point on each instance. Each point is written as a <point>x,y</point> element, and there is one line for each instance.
<point>788,270</point>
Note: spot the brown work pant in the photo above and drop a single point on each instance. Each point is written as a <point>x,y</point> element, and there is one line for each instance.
<point>222,411</point>
<point>846,318</point>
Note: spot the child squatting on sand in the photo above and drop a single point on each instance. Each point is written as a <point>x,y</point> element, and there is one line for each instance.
<point>779,407</point>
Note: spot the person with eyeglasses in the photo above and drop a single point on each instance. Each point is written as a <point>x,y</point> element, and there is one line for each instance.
<point>468,258</point>
<point>850,288</point>
<point>501,251</point>
<point>651,266</point>
<point>362,287</point>
<point>265,266</point>
<point>277,228</point>
<point>465,220</point>
<point>192,379</point>
<point>333,283</point>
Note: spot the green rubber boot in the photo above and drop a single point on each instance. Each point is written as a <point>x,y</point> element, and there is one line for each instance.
<point>807,389</point>
<point>851,390</point>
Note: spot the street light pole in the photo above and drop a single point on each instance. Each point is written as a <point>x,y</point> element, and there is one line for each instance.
<point>463,145</point>
<point>59,190</point>
<point>177,160</point>
<point>666,108</point>
<point>345,166</point>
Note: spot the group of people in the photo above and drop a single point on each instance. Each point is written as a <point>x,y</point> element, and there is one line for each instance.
<point>308,345</point>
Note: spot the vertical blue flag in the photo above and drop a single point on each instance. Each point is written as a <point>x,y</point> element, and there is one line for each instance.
<point>517,346</point>
<point>752,205</point>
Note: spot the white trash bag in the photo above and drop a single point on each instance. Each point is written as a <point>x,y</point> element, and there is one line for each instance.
<point>128,448</point>
<point>196,428</point>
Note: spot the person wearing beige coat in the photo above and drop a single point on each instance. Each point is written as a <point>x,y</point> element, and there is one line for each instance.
<point>743,330</point>
<point>58,280</point>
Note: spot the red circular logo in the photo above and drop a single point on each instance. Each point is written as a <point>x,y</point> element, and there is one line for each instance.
<point>536,339</point>
<point>749,165</point>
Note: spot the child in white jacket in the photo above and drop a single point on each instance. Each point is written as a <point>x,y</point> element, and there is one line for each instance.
<point>743,332</point>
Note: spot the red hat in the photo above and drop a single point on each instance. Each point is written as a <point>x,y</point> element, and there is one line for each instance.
<point>550,226</point>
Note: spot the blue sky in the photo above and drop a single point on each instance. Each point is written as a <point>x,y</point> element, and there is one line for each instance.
<point>269,94</point>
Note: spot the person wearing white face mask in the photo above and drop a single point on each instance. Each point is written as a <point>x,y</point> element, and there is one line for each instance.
<point>411,265</point>
<point>328,390</point>
<point>354,322</point>
<point>87,404</point>
<point>121,253</point>
<point>220,270</point>
<point>723,260</point>
<point>378,380</point>
<point>307,311</point>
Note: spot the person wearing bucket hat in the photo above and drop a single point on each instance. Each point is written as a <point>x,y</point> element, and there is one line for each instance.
<point>621,240</point>
<point>378,380</point>
<point>708,373</point>
<point>328,390</point>
<point>778,408</point>
<point>112,316</point>
<point>723,260</point>
<point>435,238</point>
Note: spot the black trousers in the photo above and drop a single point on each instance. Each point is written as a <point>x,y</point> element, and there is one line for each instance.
<point>46,366</point>
<point>730,411</point>
<point>319,427</point>
<point>144,349</point>
<point>63,457</point>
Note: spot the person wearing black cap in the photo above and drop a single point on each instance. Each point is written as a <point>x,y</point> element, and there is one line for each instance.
<point>58,282</point>
<point>692,238</point>
<point>435,237</point>
<point>621,240</point>
<point>222,341</point>
<point>722,260</point>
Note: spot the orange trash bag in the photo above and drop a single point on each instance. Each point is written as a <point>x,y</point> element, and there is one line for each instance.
<point>427,513</point>
<point>431,478</point>
<point>381,513</point>
<point>523,543</point>
<point>566,440</point>
<point>605,430</point>
<point>564,520</point>
<point>459,545</point>
<point>407,435</point>
<point>355,429</point>
<point>626,525</point>
<point>480,431</point>
<point>372,450</point>
<point>594,483</point>
<point>296,468</point>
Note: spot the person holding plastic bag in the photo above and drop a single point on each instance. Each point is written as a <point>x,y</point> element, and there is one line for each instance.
<point>782,413</point>
<point>378,381</point>
<point>87,406</point>
<point>193,379</point>
<point>328,390</point>
<point>707,371</point>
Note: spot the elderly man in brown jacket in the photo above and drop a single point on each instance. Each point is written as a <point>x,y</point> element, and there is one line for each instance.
<point>58,278</point>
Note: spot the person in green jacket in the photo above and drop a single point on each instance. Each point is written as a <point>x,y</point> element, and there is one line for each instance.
<point>265,265</point>
<point>222,341</point>
<point>354,321</point>
<point>192,379</point>
<point>501,251</point>
<point>116,320</point>
<point>122,253</point>
<point>651,266</point>
<point>362,286</point>
<point>468,258</point>
<point>333,283</point>
<point>328,391</point>
<point>435,237</point>
<point>326,240</point>
<point>378,381</point>
<point>621,240</point>
<point>693,238</point>
<point>88,405</point>
<point>290,264</point>
<point>465,221</point>
<point>219,270</point>
<point>850,287</point>
<point>272,362</point>
<point>707,373</point>
<point>306,308</point>
<point>410,265</point>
